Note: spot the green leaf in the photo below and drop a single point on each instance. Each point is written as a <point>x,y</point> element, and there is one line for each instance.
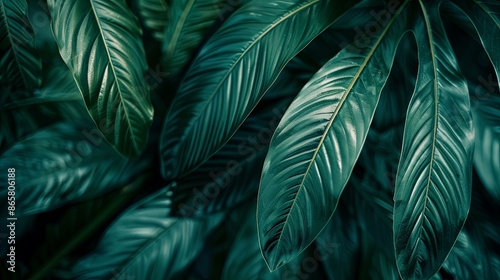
<point>188,22</point>
<point>487,149</point>
<point>229,177</point>
<point>154,15</point>
<point>145,243</point>
<point>21,67</point>
<point>433,184</point>
<point>61,164</point>
<point>232,72</point>
<point>108,68</point>
<point>485,17</point>
<point>317,143</point>
<point>244,260</point>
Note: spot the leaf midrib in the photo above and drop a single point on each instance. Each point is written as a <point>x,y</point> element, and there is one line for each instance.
<point>337,110</point>
<point>286,16</point>
<point>118,85</point>
<point>178,29</point>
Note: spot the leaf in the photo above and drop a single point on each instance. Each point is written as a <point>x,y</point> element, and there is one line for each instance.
<point>145,243</point>
<point>487,149</point>
<point>244,260</point>
<point>61,164</point>
<point>21,67</point>
<point>317,143</point>
<point>485,17</point>
<point>232,72</point>
<point>154,14</point>
<point>189,20</point>
<point>229,177</point>
<point>433,183</point>
<point>109,69</point>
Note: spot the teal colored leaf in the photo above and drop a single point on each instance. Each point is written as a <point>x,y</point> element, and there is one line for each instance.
<point>433,183</point>
<point>146,243</point>
<point>244,260</point>
<point>232,72</point>
<point>188,22</point>
<point>317,143</point>
<point>154,15</point>
<point>108,68</point>
<point>485,17</point>
<point>61,164</point>
<point>20,65</point>
<point>487,148</point>
<point>229,177</point>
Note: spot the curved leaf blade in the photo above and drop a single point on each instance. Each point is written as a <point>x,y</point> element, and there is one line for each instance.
<point>232,72</point>
<point>20,65</point>
<point>108,69</point>
<point>62,164</point>
<point>154,15</point>
<point>189,20</point>
<point>433,183</point>
<point>317,143</point>
<point>146,243</point>
<point>485,17</point>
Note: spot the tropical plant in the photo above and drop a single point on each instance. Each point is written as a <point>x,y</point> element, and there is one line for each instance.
<point>256,139</point>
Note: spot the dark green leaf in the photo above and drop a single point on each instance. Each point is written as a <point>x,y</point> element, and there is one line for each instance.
<point>188,22</point>
<point>107,67</point>
<point>318,142</point>
<point>231,175</point>
<point>232,72</point>
<point>145,243</point>
<point>20,65</point>
<point>154,14</point>
<point>433,183</point>
<point>244,260</point>
<point>61,164</point>
<point>485,17</point>
<point>487,150</point>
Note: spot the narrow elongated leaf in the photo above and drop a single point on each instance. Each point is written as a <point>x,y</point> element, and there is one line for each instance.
<point>229,177</point>
<point>61,164</point>
<point>107,67</point>
<point>145,243</point>
<point>485,17</point>
<point>232,72</point>
<point>317,143</point>
<point>154,14</point>
<point>433,183</point>
<point>188,22</point>
<point>20,65</point>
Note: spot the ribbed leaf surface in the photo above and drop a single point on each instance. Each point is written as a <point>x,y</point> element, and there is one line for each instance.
<point>232,72</point>
<point>20,65</point>
<point>188,22</point>
<point>145,243</point>
<point>61,164</point>
<point>433,184</point>
<point>318,142</point>
<point>100,41</point>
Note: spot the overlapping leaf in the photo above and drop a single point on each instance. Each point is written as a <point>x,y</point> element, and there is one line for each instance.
<point>433,183</point>
<point>229,177</point>
<point>232,72</point>
<point>318,142</point>
<point>100,41</point>
<point>154,15</point>
<point>144,242</point>
<point>61,164</point>
<point>188,22</point>
<point>20,65</point>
